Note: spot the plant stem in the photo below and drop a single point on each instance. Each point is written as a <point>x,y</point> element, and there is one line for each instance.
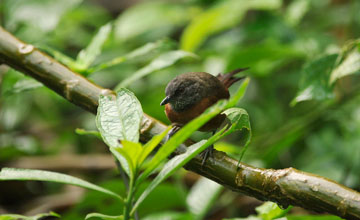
<point>129,200</point>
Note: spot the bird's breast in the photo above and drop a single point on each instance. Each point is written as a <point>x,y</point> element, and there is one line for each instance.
<point>183,117</point>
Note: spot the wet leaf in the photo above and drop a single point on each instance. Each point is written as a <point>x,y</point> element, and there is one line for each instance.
<point>119,118</point>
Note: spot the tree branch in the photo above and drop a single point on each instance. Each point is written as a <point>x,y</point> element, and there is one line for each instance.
<point>285,187</point>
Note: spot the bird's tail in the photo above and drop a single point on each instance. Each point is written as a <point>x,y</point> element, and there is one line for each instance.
<point>228,78</point>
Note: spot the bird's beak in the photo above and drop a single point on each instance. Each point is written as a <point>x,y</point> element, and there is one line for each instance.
<point>165,100</point>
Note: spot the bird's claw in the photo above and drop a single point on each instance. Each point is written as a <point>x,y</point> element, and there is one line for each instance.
<point>172,131</point>
<point>208,152</point>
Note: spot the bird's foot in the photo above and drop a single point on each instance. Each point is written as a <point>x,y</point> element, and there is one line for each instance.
<point>208,152</point>
<point>169,135</point>
<point>172,131</point>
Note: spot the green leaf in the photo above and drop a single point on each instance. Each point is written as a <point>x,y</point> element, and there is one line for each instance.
<point>141,51</point>
<point>314,217</point>
<point>134,151</point>
<point>250,217</point>
<point>238,117</point>
<point>161,62</point>
<point>82,131</point>
<point>222,16</point>
<point>350,65</point>
<point>169,168</point>
<point>104,217</point>
<point>270,210</point>
<point>150,145</point>
<point>240,121</point>
<point>25,84</point>
<point>296,11</point>
<point>22,217</point>
<point>239,93</point>
<point>87,56</point>
<point>62,58</point>
<point>192,126</point>
<point>40,175</point>
<point>180,136</point>
<point>167,215</point>
<point>264,57</point>
<point>119,118</point>
<point>177,162</point>
<point>44,15</point>
<point>157,19</point>
<point>124,160</point>
<point>314,84</point>
<point>202,196</point>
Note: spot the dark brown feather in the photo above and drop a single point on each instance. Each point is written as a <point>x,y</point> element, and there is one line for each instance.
<point>228,79</point>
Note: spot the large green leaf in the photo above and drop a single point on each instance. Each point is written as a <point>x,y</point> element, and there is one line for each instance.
<point>40,175</point>
<point>315,84</point>
<point>224,15</point>
<point>22,217</point>
<point>119,118</point>
<point>87,56</point>
<point>164,60</point>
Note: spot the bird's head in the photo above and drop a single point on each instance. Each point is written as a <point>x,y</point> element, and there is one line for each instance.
<point>183,92</point>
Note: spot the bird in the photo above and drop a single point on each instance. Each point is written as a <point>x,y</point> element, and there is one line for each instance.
<point>188,95</point>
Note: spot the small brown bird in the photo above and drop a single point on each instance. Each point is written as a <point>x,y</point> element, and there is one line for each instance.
<point>190,94</point>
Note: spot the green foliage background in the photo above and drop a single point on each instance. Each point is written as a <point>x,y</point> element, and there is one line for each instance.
<point>302,99</point>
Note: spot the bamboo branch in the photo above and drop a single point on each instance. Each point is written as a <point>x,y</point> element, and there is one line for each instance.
<point>285,186</point>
